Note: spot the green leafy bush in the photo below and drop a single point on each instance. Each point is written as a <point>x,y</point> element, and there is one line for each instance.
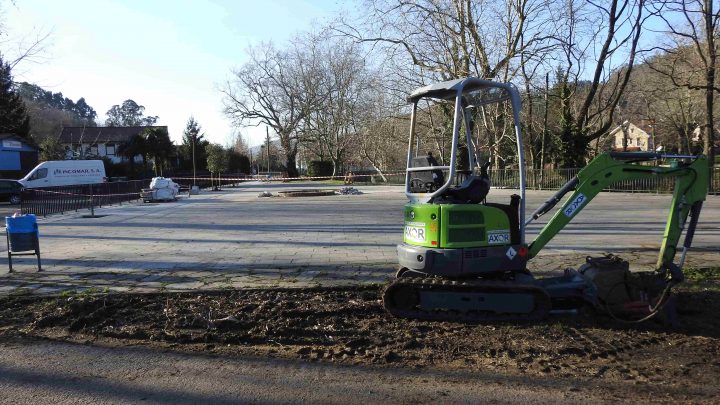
<point>320,168</point>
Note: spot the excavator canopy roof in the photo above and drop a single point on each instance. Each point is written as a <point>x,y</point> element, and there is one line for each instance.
<point>448,90</point>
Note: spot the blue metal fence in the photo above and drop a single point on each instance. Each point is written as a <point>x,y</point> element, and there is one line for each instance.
<point>51,200</point>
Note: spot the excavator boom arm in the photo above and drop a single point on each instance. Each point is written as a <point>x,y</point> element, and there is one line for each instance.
<point>691,184</point>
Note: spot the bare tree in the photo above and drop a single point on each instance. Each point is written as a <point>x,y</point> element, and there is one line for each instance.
<point>431,40</point>
<point>600,38</point>
<point>594,42</point>
<point>277,88</point>
<point>239,144</point>
<point>382,143</point>
<point>345,89</point>
<point>691,27</point>
<point>450,39</point>
<point>673,113</point>
<point>29,48</point>
<point>16,48</point>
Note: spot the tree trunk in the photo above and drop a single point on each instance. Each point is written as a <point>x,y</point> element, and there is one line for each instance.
<point>335,163</point>
<point>377,169</point>
<point>291,164</point>
<point>709,144</point>
<point>545,129</point>
<point>374,164</point>
<point>145,166</point>
<point>681,143</point>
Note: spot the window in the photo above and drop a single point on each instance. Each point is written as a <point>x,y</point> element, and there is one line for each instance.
<point>110,150</point>
<point>39,174</point>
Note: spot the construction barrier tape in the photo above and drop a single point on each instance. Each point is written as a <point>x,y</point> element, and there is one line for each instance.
<point>267,179</point>
<point>81,195</point>
<point>233,179</point>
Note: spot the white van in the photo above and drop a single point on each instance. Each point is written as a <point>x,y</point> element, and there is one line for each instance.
<point>65,173</point>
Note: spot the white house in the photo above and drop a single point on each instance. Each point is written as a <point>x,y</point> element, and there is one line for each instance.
<point>637,139</point>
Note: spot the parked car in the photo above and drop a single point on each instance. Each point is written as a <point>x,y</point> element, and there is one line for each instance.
<point>10,191</point>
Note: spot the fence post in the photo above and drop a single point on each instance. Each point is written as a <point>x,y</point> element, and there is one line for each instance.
<point>92,202</point>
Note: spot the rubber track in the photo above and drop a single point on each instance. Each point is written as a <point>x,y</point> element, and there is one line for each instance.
<point>542,299</point>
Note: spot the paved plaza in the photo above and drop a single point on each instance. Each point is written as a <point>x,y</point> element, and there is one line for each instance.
<point>233,239</point>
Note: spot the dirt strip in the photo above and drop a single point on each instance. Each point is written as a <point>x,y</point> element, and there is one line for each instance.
<point>349,326</point>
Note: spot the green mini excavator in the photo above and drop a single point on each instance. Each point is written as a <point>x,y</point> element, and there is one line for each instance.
<point>464,258</point>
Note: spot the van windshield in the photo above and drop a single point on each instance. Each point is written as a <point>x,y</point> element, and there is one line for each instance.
<point>39,174</point>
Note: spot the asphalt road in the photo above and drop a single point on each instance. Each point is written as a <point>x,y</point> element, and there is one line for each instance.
<point>38,372</point>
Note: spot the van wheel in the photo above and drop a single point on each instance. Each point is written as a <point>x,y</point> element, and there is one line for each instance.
<point>15,199</point>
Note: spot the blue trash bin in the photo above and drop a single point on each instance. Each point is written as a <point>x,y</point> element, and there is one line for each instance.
<point>22,236</point>
<point>22,224</point>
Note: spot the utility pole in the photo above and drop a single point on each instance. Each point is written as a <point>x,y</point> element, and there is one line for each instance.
<point>267,136</point>
<point>193,158</point>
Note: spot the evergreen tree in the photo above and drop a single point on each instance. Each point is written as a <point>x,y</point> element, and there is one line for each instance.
<point>193,133</point>
<point>238,162</point>
<point>158,147</point>
<point>13,114</point>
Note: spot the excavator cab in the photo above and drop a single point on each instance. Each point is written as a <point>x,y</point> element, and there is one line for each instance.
<point>450,227</point>
<point>428,181</point>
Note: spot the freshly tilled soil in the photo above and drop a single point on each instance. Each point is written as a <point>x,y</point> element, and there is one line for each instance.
<point>349,325</point>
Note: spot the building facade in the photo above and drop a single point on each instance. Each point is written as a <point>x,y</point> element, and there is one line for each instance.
<point>98,142</point>
<point>17,156</point>
<point>638,140</point>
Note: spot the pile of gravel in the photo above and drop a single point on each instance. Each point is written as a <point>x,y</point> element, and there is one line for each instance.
<point>350,191</point>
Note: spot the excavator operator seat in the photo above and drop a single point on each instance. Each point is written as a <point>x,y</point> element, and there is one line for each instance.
<point>471,191</point>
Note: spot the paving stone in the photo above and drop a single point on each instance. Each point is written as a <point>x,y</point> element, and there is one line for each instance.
<point>7,289</point>
<point>184,286</point>
<point>50,290</point>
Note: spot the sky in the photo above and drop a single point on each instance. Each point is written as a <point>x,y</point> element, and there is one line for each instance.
<point>170,56</point>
